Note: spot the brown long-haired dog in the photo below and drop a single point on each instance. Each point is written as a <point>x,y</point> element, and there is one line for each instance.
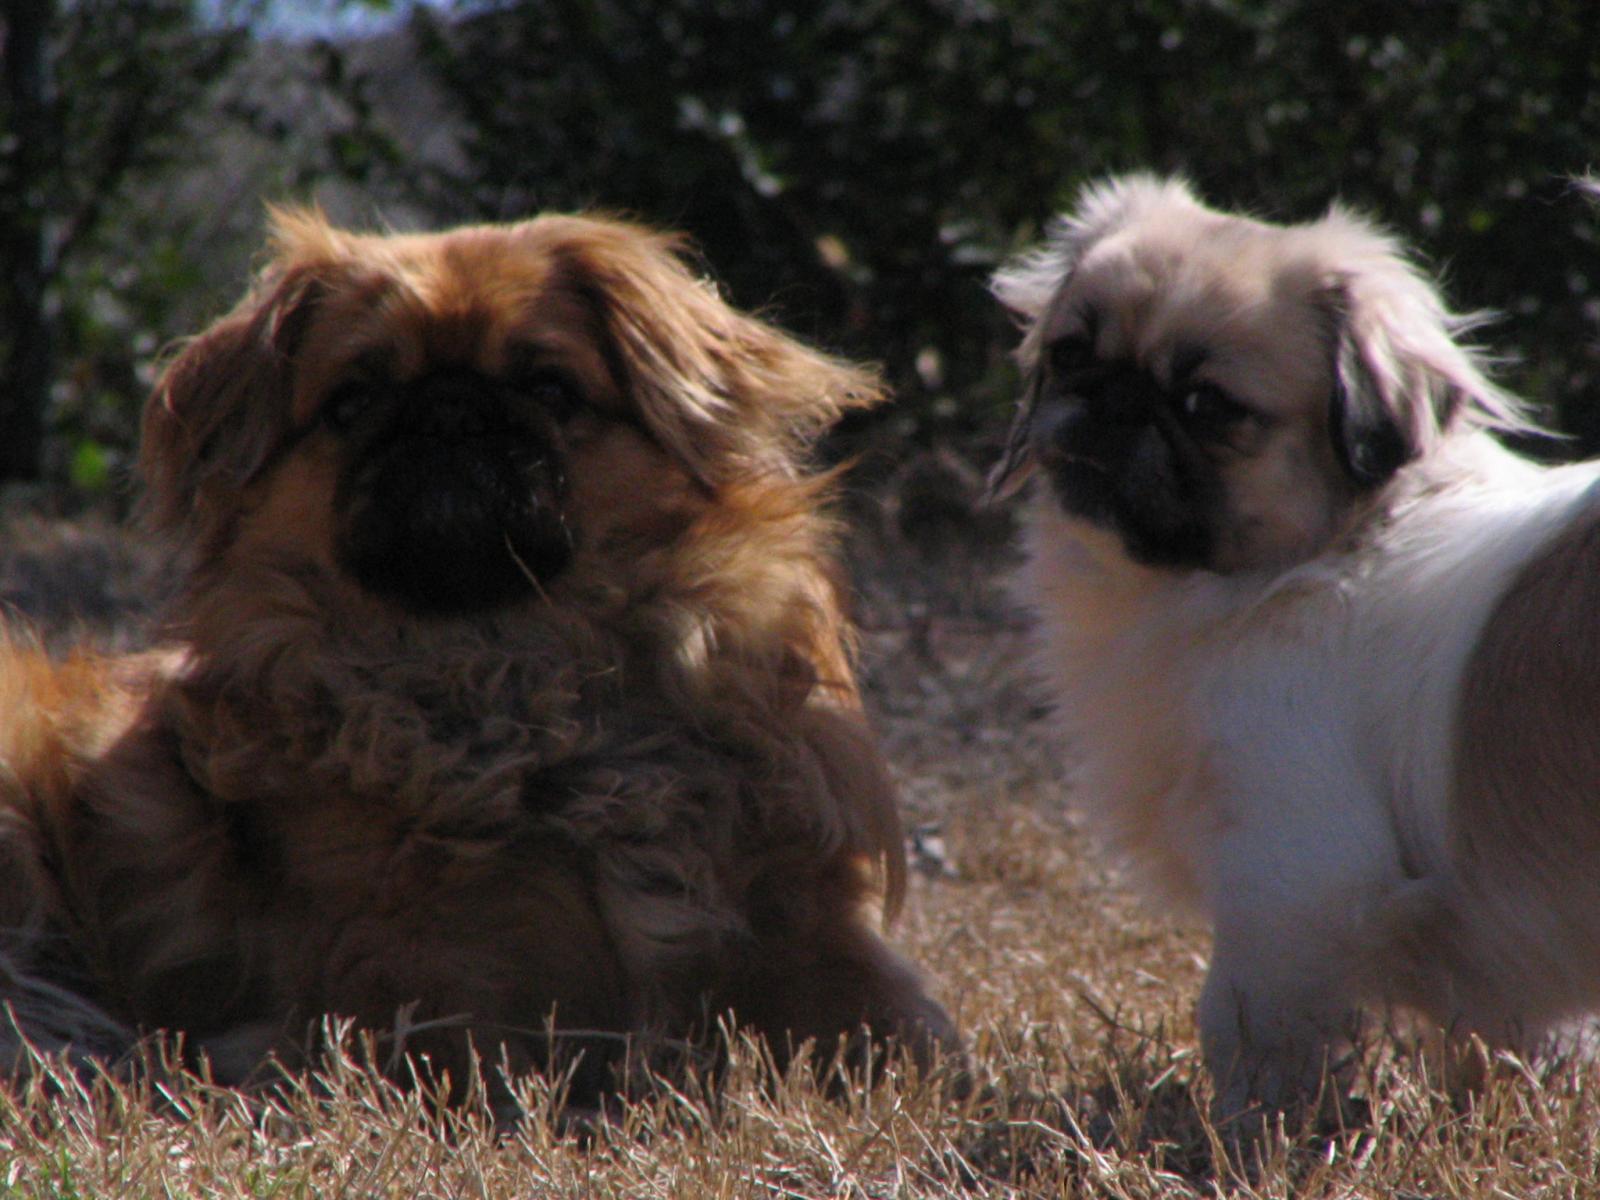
<point>506,678</point>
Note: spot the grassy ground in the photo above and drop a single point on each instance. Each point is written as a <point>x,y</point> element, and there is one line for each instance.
<point>1076,1002</point>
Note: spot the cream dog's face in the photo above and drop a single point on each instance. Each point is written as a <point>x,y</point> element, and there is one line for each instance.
<point>1217,391</point>
<point>459,421</point>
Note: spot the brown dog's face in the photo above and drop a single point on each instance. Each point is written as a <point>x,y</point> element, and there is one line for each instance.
<point>455,422</point>
<point>448,469</point>
<point>1218,391</point>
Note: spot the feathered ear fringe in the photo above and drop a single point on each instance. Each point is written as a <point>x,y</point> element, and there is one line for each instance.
<point>1404,371</point>
<point>725,392</point>
<point>221,407</point>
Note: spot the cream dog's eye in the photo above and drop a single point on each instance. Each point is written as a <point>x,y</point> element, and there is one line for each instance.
<point>1207,404</point>
<point>1071,354</point>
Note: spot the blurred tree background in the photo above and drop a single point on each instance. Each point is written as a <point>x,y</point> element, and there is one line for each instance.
<point>855,168</point>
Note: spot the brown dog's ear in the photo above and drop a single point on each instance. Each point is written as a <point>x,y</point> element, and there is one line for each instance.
<point>222,406</point>
<point>1401,374</point>
<point>724,392</point>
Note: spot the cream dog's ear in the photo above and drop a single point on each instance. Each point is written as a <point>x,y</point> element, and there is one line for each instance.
<point>1402,373</point>
<point>722,391</point>
<point>221,407</point>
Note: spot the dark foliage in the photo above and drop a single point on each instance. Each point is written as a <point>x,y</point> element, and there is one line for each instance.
<point>862,164</point>
<point>99,95</point>
<point>855,167</point>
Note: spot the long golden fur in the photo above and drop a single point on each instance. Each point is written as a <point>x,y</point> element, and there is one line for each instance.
<point>507,678</point>
<point>1324,648</point>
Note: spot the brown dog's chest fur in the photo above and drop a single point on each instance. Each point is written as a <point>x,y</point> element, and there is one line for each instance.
<point>494,820</point>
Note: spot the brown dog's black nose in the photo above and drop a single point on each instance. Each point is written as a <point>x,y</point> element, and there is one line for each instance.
<point>457,504</point>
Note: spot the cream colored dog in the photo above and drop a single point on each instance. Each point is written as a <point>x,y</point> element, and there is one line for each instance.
<point>1329,652</point>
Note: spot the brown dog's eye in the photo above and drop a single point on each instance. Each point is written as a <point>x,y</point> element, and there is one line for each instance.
<point>347,405</point>
<point>553,394</point>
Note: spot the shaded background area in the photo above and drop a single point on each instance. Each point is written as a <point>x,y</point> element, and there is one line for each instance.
<point>855,168</point>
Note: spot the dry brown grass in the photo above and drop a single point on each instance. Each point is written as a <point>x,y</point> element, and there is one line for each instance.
<point>1082,1076</point>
